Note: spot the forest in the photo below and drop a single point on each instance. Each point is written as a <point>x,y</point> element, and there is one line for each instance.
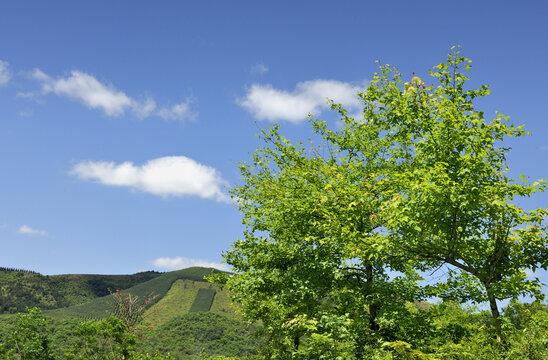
<point>395,234</point>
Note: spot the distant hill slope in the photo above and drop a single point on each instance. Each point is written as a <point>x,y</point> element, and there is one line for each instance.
<point>189,317</point>
<point>183,296</point>
<point>21,289</point>
<point>159,286</point>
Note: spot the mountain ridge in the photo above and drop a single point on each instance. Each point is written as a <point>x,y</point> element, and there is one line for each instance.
<point>21,288</point>
<point>24,288</point>
<point>188,316</point>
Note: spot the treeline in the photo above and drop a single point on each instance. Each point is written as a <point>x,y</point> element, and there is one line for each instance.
<point>6,269</point>
<point>19,290</point>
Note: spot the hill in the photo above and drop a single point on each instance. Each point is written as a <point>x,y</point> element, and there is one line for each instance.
<point>157,286</point>
<point>188,317</point>
<point>21,288</point>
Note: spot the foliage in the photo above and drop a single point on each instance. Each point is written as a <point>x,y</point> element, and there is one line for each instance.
<point>160,285</point>
<point>108,339</point>
<point>403,350</point>
<point>102,340</point>
<point>327,340</point>
<point>217,334</point>
<point>20,289</point>
<point>157,356</point>
<point>29,338</point>
<point>528,331</point>
<point>7,269</point>
<point>204,332</point>
<point>129,308</point>
<point>420,182</point>
<point>188,335</point>
<point>314,224</point>
<point>314,243</point>
<point>453,202</point>
<point>437,331</point>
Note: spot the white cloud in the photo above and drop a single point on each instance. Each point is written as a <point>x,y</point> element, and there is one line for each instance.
<point>143,109</point>
<point>27,230</point>
<point>4,73</point>
<point>180,111</point>
<point>177,263</point>
<point>86,88</point>
<point>26,95</point>
<point>268,103</point>
<point>166,176</point>
<point>259,68</point>
<point>96,95</point>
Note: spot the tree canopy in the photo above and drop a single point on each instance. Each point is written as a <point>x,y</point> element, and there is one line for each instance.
<point>338,234</point>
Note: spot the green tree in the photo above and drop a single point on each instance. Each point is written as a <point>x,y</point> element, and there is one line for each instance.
<point>29,338</point>
<point>313,261</point>
<point>420,182</point>
<point>309,249</point>
<point>107,339</point>
<point>129,308</point>
<point>454,202</point>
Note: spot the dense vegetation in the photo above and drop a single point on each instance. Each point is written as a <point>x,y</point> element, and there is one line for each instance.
<point>21,289</point>
<point>203,300</point>
<point>179,314</point>
<point>201,332</point>
<point>445,330</point>
<point>409,201</point>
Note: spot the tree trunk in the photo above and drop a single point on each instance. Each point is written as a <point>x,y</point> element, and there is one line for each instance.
<point>372,317</point>
<point>296,341</point>
<point>494,312</point>
<point>373,308</point>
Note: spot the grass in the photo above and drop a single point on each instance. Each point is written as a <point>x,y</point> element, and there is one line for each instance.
<point>222,305</point>
<point>99,308</point>
<point>203,300</point>
<point>179,299</point>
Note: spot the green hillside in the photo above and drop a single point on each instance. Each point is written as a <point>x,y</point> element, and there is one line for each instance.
<point>182,296</point>
<point>188,317</point>
<point>21,289</point>
<point>194,317</point>
<point>158,286</point>
<point>203,300</point>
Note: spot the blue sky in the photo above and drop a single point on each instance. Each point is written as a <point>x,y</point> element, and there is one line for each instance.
<point>122,123</point>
